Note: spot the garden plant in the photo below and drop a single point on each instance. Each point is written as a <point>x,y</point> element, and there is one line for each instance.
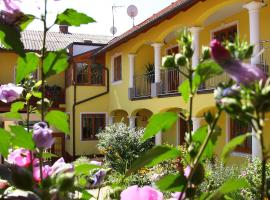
<point>27,175</point>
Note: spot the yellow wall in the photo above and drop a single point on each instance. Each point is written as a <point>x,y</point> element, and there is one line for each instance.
<point>195,16</point>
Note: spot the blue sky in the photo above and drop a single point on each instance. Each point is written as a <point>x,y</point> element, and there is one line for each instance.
<point>100,10</point>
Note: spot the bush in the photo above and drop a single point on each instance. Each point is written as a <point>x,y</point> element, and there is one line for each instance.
<point>252,173</point>
<point>121,145</point>
<point>216,173</point>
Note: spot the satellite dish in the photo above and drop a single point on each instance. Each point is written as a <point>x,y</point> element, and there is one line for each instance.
<point>113,30</point>
<point>132,12</point>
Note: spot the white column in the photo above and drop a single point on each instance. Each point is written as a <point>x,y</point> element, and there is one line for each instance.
<point>158,138</point>
<point>132,121</point>
<point>254,31</point>
<point>157,55</point>
<point>256,146</point>
<point>131,58</point>
<point>195,31</point>
<point>111,120</point>
<point>254,28</point>
<point>196,123</point>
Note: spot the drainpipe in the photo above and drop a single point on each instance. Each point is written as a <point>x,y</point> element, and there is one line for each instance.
<point>83,101</point>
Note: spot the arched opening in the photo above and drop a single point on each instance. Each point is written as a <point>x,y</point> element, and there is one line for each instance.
<point>119,116</point>
<point>142,117</point>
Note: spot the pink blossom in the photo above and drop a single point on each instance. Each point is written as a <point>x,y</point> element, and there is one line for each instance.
<point>176,196</point>
<point>42,135</point>
<point>240,72</point>
<point>11,6</point>
<point>20,157</point>
<point>10,92</point>
<point>187,171</point>
<point>144,193</point>
<point>46,171</point>
<point>60,166</point>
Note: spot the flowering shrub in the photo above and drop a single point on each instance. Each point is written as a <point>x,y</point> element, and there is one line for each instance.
<point>121,145</point>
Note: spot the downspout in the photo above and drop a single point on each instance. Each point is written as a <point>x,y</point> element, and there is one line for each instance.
<point>83,101</point>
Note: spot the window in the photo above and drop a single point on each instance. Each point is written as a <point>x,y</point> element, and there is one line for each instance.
<point>82,73</point>
<point>117,68</point>
<point>239,128</point>
<point>91,125</point>
<point>225,34</point>
<point>173,50</point>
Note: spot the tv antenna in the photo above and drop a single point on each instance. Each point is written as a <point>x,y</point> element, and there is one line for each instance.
<point>113,29</point>
<point>132,12</point>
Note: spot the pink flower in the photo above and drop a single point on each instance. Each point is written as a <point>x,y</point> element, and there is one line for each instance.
<point>176,196</point>
<point>239,72</point>
<point>46,171</point>
<point>144,193</point>
<point>60,166</point>
<point>187,171</point>
<point>20,157</point>
<point>42,135</point>
<point>11,6</point>
<point>10,92</point>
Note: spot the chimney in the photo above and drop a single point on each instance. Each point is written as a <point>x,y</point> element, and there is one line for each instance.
<point>63,29</point>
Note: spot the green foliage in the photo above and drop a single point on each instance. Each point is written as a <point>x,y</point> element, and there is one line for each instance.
<point>159,122</point>
<point>22,138</point>
<point>155,156</point>
<point>10,38</point>
<point>59,120</point>
<point>229,147</point>
<point>84,168</point>
<point>171,183</point>
<point>4,142</point>
<point>71,17</point>
<point>184,90</point>
<point>26,65</point>
<point>17,106</point>
<point>121,145</point>
<point>55,63</point>
<point>25,21</point>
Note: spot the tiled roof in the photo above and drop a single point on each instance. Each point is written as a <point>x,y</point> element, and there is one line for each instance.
<point>32,40</point>
<point>169,11</point>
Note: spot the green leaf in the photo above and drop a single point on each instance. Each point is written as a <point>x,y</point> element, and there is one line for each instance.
<point>200,135</point>
<point>17,106</point>
<point>159,122</point>
<point>12,115</point>
<point>86,195</point>
<point>22,138</point>
<point>25,21</point>
<point>59,120</point>
<point>71,17</point>
<point>184,90</point>
<point>55,63</point>
<point>4,142</point>
<point>154,156</point>
<point>171,183</point>
<point>10,38</point>
<point>229,147</point>
<point>208,69</point>
<point>84,168</point>
<point>37,94</point>
<point>229,186</point>
<point>47,155</point>
<point>26,66</point>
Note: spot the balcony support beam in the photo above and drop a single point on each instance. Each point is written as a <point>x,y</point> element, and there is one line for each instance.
<point>195,31</point>
<point>254,28</point>
<point>157,57</point>
<point>254,31</point>
<point>131,59</point>
<point>132,121</point>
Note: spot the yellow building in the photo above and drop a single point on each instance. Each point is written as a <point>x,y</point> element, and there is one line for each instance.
<point>138,85</point>
<point>124,80</point>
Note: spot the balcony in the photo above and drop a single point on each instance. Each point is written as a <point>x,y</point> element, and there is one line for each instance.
<point>172,78</point>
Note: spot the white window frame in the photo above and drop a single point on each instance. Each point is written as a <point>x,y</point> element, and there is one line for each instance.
<point>224,26</point>
<point>112,69</point>
<point>85,113</point>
